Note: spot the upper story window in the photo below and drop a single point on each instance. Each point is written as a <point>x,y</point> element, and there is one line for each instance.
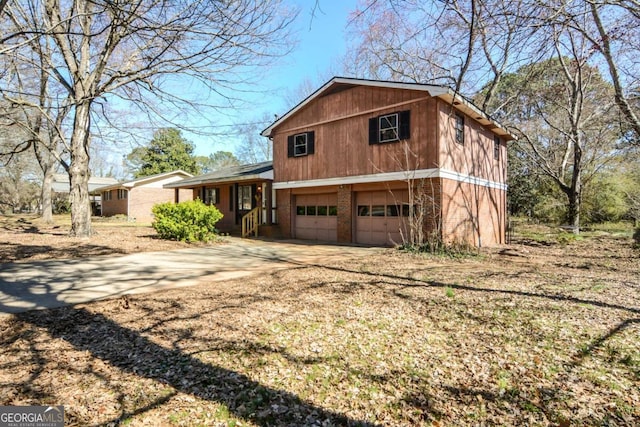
<point>122,194</point>
<point>106,195</point>
<point>496,147</point>
<point>459,128</point>
<point>390,127</point>
<point>301,144</point>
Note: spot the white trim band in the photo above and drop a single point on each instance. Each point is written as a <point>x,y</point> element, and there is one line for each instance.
<point>392,176</point>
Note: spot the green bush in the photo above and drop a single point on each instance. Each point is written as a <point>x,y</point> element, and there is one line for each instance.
<point>191,221</point>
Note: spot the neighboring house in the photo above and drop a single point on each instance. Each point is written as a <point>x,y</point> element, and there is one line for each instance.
<point>235,191</point>
<point>348,158</point>
<point>61,188</point>
<point>136,198</point>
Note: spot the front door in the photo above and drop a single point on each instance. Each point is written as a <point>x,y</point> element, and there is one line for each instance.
<point>245,200</point>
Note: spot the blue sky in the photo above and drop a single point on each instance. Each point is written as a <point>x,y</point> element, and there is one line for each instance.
<point>322,42</point>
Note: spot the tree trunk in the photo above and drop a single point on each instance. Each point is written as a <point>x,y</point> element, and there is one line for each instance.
<point>45,195</point>
<point>79,172</point>
<point>575,191</point>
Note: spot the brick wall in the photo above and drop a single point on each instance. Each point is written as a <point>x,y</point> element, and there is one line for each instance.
<point>345,214</point>
<point>284,198</point>
<point>142,199</point>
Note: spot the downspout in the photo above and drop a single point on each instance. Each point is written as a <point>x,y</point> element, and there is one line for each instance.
<point>128,216</point>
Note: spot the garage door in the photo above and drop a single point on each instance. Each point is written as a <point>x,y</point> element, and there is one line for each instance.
<point>381,217</point>
<point>316,217</point>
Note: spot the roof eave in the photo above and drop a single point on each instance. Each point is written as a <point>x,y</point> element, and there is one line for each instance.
<point>441,92</point>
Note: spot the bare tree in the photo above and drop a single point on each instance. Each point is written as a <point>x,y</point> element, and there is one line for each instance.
<point>463,43</point>
<point>134,50</point>
<point>254,148</point>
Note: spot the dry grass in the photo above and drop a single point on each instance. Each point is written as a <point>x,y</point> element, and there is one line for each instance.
<point>546,333</point>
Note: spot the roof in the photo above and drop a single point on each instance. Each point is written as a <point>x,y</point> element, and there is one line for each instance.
<point>145,180</point>
<point>263,171</point>
<point>338,84</point>
<point>61,184</point>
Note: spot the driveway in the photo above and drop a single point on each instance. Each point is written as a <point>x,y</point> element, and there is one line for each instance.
<point>54,283</point>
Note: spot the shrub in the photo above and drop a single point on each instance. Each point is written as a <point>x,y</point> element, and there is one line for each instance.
<point>191,221</point>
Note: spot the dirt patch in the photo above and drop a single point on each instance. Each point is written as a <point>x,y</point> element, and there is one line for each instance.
<point>526,334</point>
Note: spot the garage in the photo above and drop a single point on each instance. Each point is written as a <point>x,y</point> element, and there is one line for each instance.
<point>380,217</point>
<point>316,217</point>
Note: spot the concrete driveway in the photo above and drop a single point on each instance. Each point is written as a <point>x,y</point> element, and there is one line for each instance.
<point>54,283</point>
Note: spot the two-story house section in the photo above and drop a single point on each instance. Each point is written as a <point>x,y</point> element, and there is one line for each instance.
<point>355,158</point>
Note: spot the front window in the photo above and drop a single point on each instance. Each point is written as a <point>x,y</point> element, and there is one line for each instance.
<point>388,128</point>
<point>122,194</point>
<point>106,195</point>
<point>300,145</point>
<point>210,196</point>
<point>244,198</point>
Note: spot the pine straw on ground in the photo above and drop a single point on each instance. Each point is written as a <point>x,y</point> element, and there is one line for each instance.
<point>537,334</point>
<point>26,238</point>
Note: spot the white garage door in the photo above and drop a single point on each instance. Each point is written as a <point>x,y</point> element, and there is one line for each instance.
<point>316,217</point>
<point>381,217</point>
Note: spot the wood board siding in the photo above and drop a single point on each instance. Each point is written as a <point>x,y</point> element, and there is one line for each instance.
<point>475,157</point>
<point>473,214</point>
<point>341,125</point>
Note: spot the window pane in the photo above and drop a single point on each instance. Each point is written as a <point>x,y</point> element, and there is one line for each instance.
<point>300,210</point>
<point>244,197</point>
<point>405,210</point>
<point>311,210</point>
<point>300,144</point>
<point>377,210</point>
<point>364,211</point>
<point>322,211</point>
<point>333,210</point>
<point>392,210</point>
<point>388,128</point>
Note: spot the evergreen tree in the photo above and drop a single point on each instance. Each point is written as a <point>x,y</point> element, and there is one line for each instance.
<point>166,152</point>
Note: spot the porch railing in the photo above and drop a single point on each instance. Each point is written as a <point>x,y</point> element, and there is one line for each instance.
<point>251,221</point>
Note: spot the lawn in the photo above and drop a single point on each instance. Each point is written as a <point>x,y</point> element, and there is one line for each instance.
<point>545,331</point>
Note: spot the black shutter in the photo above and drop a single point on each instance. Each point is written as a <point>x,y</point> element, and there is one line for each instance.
<point>254,191</point>
<point>404,131</point>
<point>290,152</point>
<point>311,142</point>
<point>373,131</point>
<point>234,195</point>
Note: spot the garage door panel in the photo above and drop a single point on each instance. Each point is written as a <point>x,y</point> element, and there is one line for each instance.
<point>313,221</point>
<point>379,217</point>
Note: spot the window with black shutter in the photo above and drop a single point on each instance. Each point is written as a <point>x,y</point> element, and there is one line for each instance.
<point>390,127</point>
<point>301,144</point>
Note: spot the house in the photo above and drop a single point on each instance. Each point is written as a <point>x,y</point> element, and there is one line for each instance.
<point>60,187</point>
<point>351,161</point>
<point>136,198</point>
<point>236,192</point>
